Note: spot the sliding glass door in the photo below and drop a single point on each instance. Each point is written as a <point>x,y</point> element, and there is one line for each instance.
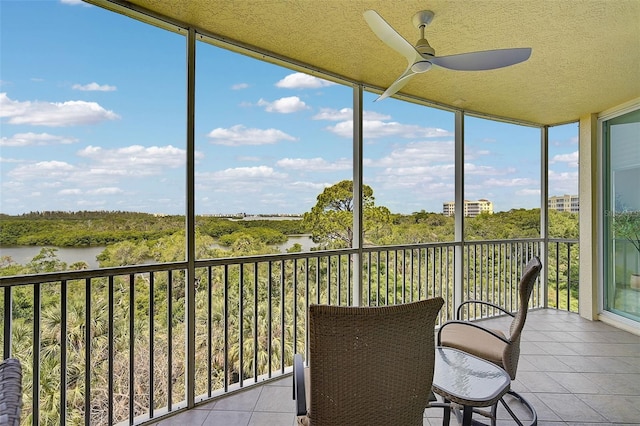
<point>621,149</point>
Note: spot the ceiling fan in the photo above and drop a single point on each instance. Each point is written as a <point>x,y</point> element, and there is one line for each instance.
<point>422,57</point>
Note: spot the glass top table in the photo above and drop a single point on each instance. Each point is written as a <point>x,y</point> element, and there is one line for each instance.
<point>467,380</point>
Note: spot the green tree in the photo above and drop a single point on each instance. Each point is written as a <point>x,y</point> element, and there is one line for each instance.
<point>123,253</point>
<point>46,261</point>
<point>626,225</point>
<point>331,219</point>
<point>563,224</point>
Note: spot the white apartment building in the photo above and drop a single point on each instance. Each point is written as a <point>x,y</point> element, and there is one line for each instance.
<point>471,208</point>
<point>564,203</point>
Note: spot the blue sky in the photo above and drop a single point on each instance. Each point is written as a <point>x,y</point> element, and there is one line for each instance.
<point>92,109</point>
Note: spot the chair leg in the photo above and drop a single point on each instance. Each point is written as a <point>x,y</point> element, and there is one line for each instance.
<point>494,414</point>
<point>523,401</point>
<point>446,416</point>
<point>467,413</point>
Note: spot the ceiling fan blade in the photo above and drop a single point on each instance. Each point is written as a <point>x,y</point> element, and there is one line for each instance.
<point>390,37</point>
<point>485,60</point>
<point>398,84</point>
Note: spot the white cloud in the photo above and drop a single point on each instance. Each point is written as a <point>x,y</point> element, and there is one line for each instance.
<point>563,183</point>
<point>570,159</point>
<point>528,192</point>
<point>48,170</point>
<point>26,139</point>
<point>346,114</point>
<point>94,87</point>
<point>315,164</point>
<point>374,129</point>
<point>105,191</point>
<point>427,172</point>
<point>300,80</point>
<point>135,160</point>
<point>240,86</point>
<point>54,114</point>
<point>474,169</point>
<point>417,154</point>
<point>91,204</point>
<point>256,181</point>
<point>510,182</point>
<point>315,186</point>
<point>259,172</point>
<point>70,191</point>
<point>10,160</point>
<point>240,135</point>
<point>74,2</point>
<point>117,167</point>
<point>284,105</point>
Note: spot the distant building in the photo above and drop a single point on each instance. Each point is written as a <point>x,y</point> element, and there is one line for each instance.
<point>564,203</point>
<point>449,208</point>
<point>471,208</point>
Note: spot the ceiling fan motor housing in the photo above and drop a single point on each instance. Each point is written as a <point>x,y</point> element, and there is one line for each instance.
<point>425,48</point>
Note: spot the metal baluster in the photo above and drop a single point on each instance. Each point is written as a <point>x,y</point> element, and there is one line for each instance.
<point>110,333</point>
<point>87,353</point>
<point>209,330</point>
<point>170,341</point>
<point>63,355</point>
<point>241,324</point>
<point>225,320</point>
<point>152,309</point>
<point>282,316</point>
<point>131,348</point>
<point>255,322</point>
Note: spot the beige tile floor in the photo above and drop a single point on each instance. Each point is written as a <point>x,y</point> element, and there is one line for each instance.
<point>573,371</point>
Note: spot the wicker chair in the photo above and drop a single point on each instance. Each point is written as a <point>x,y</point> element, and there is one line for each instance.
<point>492,344</point>
<point>10,392</point>
<point>368,365</point>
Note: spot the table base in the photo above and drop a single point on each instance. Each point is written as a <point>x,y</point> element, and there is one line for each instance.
<point>464,413</point>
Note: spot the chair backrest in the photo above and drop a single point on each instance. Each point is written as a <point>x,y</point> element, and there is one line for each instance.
<point>525,288</point>
<point>10,392</point>
<point>371,365</point>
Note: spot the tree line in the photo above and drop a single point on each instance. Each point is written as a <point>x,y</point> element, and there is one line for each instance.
<point>329,222</point>
<point>91,229</point>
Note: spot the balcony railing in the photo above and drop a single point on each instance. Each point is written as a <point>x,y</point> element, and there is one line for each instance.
<point>108,346</point>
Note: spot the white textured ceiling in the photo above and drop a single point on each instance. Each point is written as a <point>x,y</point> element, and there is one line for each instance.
<point>586,53</point>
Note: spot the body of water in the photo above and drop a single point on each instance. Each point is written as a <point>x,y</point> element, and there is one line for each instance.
<point>304,240</point>
<point>70,255</point>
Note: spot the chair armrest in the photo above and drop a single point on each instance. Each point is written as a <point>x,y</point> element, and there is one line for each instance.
<point>471,324</point>
<point>481,302</point>
<point>299,394</point>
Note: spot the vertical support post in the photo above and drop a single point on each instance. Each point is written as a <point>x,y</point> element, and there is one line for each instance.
<point>590,295</point>
<point>544,212</point>
<point>358,232</point>
<point>190,291</point>
<point>458,258</point>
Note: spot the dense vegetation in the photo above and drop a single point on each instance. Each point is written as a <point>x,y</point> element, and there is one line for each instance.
<point>86,229</point>
<point>228,301</point>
